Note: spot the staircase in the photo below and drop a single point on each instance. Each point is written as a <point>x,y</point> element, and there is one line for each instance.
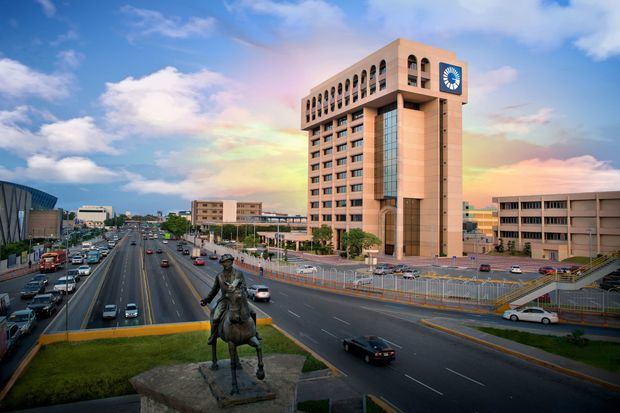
<point>530,291</point>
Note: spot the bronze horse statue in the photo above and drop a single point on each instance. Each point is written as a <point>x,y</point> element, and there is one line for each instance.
<point>237,328</point>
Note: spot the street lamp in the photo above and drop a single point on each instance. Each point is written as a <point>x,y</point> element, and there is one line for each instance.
<point>590,245</point>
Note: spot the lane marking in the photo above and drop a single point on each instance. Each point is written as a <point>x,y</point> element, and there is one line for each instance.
<point>173,301</point>
<point>465,377</point>
<point>391,342</point>
<point>286,295</point>
<point>308,337</point>
<point>178,314</point>
<point>342,321</point>
<point>296,315</point>
<point>425,385</point>
<point>309,306</point>
<point>328,333</point>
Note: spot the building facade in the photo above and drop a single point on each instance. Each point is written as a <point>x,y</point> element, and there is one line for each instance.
<point>562,225</point>
<point>485,219</point>
<point>45,223</point>
<point>94,215</point>
<point>228,211</point>
<point>385,150</point>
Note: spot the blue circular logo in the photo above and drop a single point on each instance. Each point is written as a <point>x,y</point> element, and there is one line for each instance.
<point>451,78</point>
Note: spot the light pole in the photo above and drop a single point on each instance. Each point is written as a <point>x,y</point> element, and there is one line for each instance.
<point>67,292</point>
<point>590,245</point>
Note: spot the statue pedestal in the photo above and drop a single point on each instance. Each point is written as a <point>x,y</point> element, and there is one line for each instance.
<point>183,388</point>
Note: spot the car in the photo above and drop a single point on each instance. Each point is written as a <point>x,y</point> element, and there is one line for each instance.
<point>158,251</point>
<point>484,268</point>
<point>56,296</point>
<point>610,283</point>
<point>131,310</point>
<point>149,251</point>
<point>546,270</point>
<point>165,241</point>
<point>84,270</point>
<point>535,314</point>
<point>370,348</point>
<point>43,305</point>
<point>307,269</point>
<point>398,268</point>
<point>410,273</point>
<point>77,260</point>
<point>179,247</point>
<point>383,269</point>
<point>65,284</point>
<point>75,273</point>
<point>199,261</point>
<point>132,243</point>
<point>144,237</point>
<point>109,312</point>
<point>25,319</point>
<point>104,252</point>
<point>40,277</point>
<point>185,252</point>
<point>32,288</point>
<point>259,292</point>
<point>213,256</point>
<point>515,269</point>
<point>13,335</point>
<point>164,264</point>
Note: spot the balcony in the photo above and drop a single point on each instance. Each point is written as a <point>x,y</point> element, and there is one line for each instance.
<point>425,75</point>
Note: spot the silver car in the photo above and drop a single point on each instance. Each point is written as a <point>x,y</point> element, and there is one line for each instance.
<point>259,293</point>
<point>25,319</point>
<point>131,310</point>
<point>109,312</point>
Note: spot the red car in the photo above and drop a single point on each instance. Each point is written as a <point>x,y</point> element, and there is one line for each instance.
<point>199,261</point>
<point>546,270</point>
<point>149,251</point>
<point>484,268</point>
<point>164,263</point>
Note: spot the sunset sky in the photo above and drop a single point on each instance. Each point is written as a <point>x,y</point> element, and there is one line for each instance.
<point>146,105</point>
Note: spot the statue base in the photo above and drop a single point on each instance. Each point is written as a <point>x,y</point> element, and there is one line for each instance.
<point>183,388</point>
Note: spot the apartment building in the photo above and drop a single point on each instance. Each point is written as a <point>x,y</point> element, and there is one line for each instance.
<point>94,215</point>
<point>217,212</point>
<point>485,219</point>
<point>385,149</point>
<point>562,225</point>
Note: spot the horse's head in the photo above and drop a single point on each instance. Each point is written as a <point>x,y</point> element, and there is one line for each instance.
<point>238,307</point>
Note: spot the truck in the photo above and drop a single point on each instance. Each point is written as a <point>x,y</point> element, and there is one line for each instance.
<point>86,246</point>
<point>93,257</point>
<point>53,260</point>
<point>5,304</point>
<point>195,253</point>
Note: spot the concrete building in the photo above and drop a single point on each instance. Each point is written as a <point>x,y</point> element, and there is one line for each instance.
<point>562,225</point>
<point>94,215</point>
<point>228,211</point>
<point>185,214</point>
<point>485,219</point>
<point>45,223</point>
<point>385,149</point>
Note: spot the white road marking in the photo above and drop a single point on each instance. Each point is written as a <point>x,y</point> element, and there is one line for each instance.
<point>465,377</point>
<point>286,295</point>
<point>342,321</point>
<point>178,314</point>
<point>327,332</point>
<point>425,385</point>
<point>296,315</point>
<point>309,306</point>
<point>308,337</point>
<point>271,299</point>
<point>391,342</point>
<point>173,301</point>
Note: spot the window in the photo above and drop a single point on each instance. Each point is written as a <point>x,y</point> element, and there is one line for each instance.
<point>382,68</point>
<point>357,172</point>
<point>342,121</point>
<point>341,161</point>
<point>356,217</point>
<point>426,66</point>
<point>412,63</point>
<point>356,202</point>
<point>327,191</point>
<point>508,220</point>
<point>358,143</point>
<point>342,134</point>
<point>314,204</point>
<point>412,81</point>
<point>356,188</point>
<point>327,177</point>
<point>316,131</point>
<point>342,147</point>
<point>341,175</point>
<point>314,217</point>
<point>314,192</point>
<point>327,204</point>
<point>381,85</point>
<point>358,128</point>
<point>316,154</point>
<point>341,217</point>
<point>531,205</point>
<point>373,88</point>
<point>341,189</point>
<point>531,220</point>
<point>531,235</point>
<point>357,158</point>
<point>328,127</point>
<point>328,138</point>
<point>327,217</point>
<point>555,236</point>
<point>341,203</point>
<point>314,179</point>
<point>509,234</point>
<point>555,204</point>
<point>327,151</point>
<point>556,221</point>
<point>327,164</point>
<point>509,205</point>
<point>315,142</point>
<point>373,72</point>
<point>315,167</point>
<point>357,115</point>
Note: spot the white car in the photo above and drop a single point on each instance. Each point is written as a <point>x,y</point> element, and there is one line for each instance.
<point>65,285</point>
<point>109,312</point>
<point>259,293</point>
<point>307,269</point>
<point>535,314</point>
<point>131,310</point>
<point>77,259</point>
<point>165,241</point>
<point>411,273</point>
<point>84,270</point>
<point>515,269</point>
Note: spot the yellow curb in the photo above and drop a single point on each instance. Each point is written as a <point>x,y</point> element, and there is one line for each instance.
<point>19,370</point>
<point>335,371</point>
<point>531,359</point>
<point>385,406</point>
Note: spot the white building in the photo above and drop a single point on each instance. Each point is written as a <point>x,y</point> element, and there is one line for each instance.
<point>94,215</point>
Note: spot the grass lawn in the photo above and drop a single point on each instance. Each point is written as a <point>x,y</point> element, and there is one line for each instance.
<point>578,260</point>
<point>66,372</point>
<point>602,354</point>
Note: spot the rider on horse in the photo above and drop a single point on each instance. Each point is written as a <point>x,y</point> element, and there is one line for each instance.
<point>224,282</point>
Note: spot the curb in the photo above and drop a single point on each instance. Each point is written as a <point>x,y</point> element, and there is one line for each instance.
<point>379,402</point>
<point>526,357</point>
<point>335,371</point>
<point>19,370</point>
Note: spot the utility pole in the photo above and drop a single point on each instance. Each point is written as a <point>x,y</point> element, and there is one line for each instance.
<point>67,292</point>
<point>590,245</point>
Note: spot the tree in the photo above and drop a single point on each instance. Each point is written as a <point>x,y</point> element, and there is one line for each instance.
<point>176,225</point>
<point>250,241</point>
<point>357,240</point>
<point>69,215</point>
<point>322,237</point>
<point>500,247</point>
<point>527,249</point>
<point>511,247</point>
<point>117,221</point>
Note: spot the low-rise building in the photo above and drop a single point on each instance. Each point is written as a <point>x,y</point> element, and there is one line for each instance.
<point>226,211</point>
<point>94,215</point>
<point>483,219</point>
<point>45,223</point>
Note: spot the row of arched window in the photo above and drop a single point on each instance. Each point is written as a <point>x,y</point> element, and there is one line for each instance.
<point>361,86</point>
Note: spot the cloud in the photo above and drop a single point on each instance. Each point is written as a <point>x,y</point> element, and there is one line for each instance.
<point>69,59</point>
<point>148,22</point>
<point>65,37</point>
<point>18,80</point>
<point>538,176</point>
<point>485,83</point>
<point>592,25</point>
<point>48,7</point>
<point>70,170</point>
<point>299,15</point>
<point>503,123</point>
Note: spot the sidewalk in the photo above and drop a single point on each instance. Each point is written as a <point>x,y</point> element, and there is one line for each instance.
<point>9,275</point>
<point>531,354</point>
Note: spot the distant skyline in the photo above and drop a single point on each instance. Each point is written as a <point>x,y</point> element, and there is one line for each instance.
<point>146,105</point>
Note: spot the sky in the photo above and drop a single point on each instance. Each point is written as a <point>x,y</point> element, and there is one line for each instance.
<point>146,105</point>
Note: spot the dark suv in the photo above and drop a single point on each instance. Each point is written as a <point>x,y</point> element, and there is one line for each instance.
<point>485,268</point>
<point>43,305</point>
<point>32,288</point>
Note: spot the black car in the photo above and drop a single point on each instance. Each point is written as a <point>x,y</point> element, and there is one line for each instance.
<point>32,288</point>
<point>179,247</point>
<point>132,243</point>
<point>370,348</point>
<point>158,251</point>
<point>610,283</point>
<point>40,277</point>
<point>213,256</point>
<point>185,252</point>
<point>43,305</point>
<point>75,273</point>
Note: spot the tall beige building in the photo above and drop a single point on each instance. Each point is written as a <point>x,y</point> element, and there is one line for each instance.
<point>228,211</point>
<point>385,149</point>
<point>561,225</point>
